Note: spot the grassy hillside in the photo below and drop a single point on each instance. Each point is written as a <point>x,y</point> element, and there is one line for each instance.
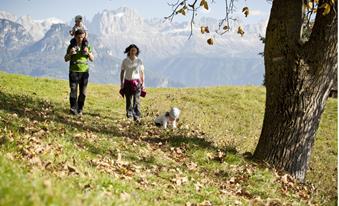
<point>48,157</point>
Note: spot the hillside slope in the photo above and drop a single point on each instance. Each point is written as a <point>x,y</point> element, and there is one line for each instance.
<point>48,157</point>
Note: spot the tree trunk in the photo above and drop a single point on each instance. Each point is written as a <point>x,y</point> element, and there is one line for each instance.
<point>298,80</point>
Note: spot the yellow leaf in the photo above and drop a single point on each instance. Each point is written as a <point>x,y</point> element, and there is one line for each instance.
<point>240,31</point>
<point>182,11</point>
<point>246,11</point>
<point>327,8</point>
<point>309,5</point>
<point>204,29</point>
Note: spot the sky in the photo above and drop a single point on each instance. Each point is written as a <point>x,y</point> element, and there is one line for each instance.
<point>67,9</point>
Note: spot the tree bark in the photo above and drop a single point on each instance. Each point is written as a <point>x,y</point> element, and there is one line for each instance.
<point>298,80</point>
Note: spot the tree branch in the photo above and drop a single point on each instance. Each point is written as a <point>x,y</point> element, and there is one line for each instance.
<point>320,40</point>
<point>193,8</point>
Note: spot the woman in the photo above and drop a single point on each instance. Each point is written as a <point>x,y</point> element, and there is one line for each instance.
<point>132,79</point>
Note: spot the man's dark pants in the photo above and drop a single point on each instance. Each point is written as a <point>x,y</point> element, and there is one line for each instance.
<point>78,79</point>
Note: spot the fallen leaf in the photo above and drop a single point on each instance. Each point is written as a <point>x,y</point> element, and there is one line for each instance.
<point>198,186</point>
<point>71,170</point>
<point>192,166</point>
<point>190,204</point>
<point>256,202</point>
<point>205,203</point>
<point>179,180</point>
<point>232,180</point>
<point>125,196</point>
<point>87,186</point>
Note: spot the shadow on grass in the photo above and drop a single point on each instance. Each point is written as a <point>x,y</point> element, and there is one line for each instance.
<point>193,142</point>
<point>42,110</point>
<point>178,140</point>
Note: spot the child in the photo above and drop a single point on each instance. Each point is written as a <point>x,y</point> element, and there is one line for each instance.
<point>79,25</point>
<point>170,117</point>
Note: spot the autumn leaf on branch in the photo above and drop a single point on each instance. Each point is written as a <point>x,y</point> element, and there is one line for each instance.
<point>182,11</point>
<point>326,7</point>
<point>226,28</point>
<point>309,5</point>
<point>246,11</point>
<point>204,4</point>
<point>204,29</point>
<point>210,41</point>
<point>240,31</point>
<point>192,8</point>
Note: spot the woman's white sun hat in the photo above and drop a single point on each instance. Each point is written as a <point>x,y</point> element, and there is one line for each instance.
<point>174,112</point>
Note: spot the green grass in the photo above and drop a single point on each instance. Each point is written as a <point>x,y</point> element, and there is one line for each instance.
<point>48,157</point>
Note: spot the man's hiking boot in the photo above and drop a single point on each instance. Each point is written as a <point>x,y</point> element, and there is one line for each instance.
<point>80,112</point>
<point>73,111</point>
<point>129,116</point>
<point>137,120</point>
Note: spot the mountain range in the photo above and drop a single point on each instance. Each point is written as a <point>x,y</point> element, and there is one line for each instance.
<point>37,48</point>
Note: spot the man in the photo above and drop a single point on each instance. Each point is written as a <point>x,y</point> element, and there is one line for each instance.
<point>78,72</point>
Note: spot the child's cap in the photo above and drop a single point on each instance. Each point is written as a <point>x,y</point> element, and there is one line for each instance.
<point>78,18</point>
<point>174,112</point>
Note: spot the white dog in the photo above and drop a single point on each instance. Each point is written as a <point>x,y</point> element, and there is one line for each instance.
<point>170,117</point>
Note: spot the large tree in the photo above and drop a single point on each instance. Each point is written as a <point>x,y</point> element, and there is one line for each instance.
<point>298,76</point>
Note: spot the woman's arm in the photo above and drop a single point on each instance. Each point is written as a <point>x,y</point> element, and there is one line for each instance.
<point>122,76</point>
<point>142,76</point>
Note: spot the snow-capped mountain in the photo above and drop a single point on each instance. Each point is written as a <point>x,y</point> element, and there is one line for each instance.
<point>13,38</point>
<point>170,58</point>
<point>122,20</point>
<point>8,16</point>
<point>54,40</point>
<point>13,35</point>
<point>37,28</point>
